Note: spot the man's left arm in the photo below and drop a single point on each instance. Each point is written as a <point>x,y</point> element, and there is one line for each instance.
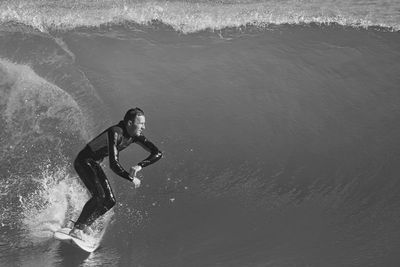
<point>155,153</point>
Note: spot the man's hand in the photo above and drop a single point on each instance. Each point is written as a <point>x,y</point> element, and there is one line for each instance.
<point>134,170</point>
<point>136,181</point>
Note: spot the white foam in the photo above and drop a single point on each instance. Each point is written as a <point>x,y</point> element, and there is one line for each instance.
<point>196,16</point>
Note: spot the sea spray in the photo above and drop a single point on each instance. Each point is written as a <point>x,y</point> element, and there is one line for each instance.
<point>57,197</point>
<point>39,189</point>
<point>57,200</point>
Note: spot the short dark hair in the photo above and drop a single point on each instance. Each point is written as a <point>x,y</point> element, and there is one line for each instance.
<point>132,114</point>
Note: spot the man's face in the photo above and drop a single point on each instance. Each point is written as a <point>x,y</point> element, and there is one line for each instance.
<point>136,128</point>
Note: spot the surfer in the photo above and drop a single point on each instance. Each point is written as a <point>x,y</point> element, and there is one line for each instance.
<point>109,143</point>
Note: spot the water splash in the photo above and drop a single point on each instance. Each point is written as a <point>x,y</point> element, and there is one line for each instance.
<point>58,197</point>
<point>40,123</point>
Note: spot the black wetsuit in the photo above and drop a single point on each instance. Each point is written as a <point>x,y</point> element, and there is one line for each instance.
<point>86,164</point>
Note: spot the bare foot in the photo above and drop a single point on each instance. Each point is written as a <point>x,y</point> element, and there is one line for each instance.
<point>76,233</point>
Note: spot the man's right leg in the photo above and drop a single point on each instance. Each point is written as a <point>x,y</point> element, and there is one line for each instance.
<point>102,197</point>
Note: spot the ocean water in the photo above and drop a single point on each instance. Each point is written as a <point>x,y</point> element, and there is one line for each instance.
<point>279,122</point>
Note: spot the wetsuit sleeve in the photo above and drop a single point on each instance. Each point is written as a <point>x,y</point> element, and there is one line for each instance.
<point>113,154</point>
<point>155,153</point>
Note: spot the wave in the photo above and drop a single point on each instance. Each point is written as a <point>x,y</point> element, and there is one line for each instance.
<point>189,17</point>
<point>36,116</point>
<point>32,98</point>
<point>40,123</point>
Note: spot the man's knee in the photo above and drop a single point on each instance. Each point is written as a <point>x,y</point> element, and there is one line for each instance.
<point>77,165</point>
<point>106,202</point>
<point>109,202</point>
<point>81,162</point>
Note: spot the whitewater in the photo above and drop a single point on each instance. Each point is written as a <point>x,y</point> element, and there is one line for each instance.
<point>278,121</point>
<point>192,16</point>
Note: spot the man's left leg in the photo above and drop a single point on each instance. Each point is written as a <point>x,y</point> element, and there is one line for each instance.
<point>105,199</point>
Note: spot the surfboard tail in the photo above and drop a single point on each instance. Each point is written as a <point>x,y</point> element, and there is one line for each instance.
<point>86,245</point>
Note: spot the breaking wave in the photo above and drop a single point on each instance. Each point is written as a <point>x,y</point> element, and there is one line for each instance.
<point>194,16</point>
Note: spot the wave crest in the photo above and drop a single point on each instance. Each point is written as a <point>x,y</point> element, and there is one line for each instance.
<point>190,17</point>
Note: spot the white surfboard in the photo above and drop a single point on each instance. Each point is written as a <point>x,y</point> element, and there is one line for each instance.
<point>63,235</point>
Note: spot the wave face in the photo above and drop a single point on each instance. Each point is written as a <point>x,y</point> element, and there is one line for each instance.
<point>193,16</point>
<point>280,142</point>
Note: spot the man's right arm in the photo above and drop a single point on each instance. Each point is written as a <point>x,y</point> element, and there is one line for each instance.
<point>113,154</point>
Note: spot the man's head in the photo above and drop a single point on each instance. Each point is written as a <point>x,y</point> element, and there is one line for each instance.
<point>134,121</point>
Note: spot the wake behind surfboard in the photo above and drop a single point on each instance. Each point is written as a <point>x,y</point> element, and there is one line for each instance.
<point>86,244</point>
